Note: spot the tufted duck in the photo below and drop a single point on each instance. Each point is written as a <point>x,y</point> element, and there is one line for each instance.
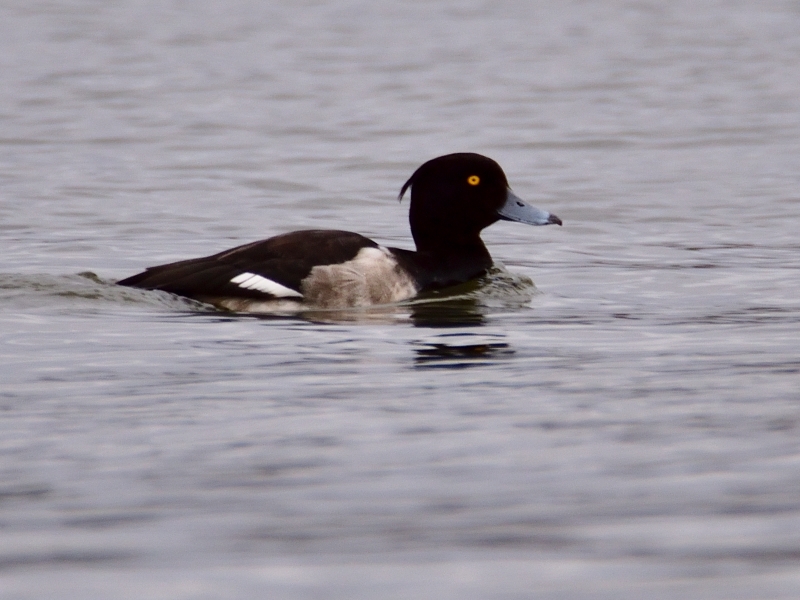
<point>453,198</point>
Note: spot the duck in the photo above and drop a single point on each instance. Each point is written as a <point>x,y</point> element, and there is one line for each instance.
<point>453,198</point>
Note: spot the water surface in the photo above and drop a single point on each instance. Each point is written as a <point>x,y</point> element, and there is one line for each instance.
<point>626,428</point>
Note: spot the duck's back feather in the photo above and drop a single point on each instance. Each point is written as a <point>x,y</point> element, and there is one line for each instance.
<point>284,259</point>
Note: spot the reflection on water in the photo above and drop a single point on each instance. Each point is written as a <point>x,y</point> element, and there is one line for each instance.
<point>460,312</point>
<point>460,351</point>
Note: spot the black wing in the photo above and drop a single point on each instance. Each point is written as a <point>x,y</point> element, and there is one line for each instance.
<point>285,259</point>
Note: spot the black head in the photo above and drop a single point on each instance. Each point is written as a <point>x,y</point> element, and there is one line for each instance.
<point>454,197</point>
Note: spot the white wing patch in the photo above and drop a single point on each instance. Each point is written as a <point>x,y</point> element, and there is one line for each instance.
<point>251,281</point>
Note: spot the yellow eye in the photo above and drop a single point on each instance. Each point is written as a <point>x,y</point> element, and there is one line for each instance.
<point>473,180</point>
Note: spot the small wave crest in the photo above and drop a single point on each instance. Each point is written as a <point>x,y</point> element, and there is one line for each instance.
<point>467,303</point>
<point>81,289</point>
<point>498,288</point>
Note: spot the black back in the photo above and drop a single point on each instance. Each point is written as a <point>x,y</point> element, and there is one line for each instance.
<point>285,259</point>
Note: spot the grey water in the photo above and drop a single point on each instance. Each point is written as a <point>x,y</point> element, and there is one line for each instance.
<point>614,413</point>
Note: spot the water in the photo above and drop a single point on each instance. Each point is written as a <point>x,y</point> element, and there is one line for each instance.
<point>627,428</point>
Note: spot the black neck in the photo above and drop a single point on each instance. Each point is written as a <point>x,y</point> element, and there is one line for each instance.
<point>440,267</point>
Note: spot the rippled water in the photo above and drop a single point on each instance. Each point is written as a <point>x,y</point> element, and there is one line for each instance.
<point>627,428</point>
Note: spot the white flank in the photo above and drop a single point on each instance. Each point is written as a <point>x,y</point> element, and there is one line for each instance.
<point>251,281</point>
<point>372,277</point>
